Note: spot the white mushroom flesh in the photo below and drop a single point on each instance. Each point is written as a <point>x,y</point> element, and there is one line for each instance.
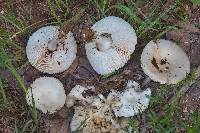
<point>165,62</point>
<point>115,42</point>
<point>48,94</point>
<point>49,54</point>
<point>98,108</point>
<point>94,119</point>
<point>131,101</point>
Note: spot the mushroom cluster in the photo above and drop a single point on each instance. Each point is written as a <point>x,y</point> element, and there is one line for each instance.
<point>48,53</point>
<point>96,112</point>
<point>112,46</point>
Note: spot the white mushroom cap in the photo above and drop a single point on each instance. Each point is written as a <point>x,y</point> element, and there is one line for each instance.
<point>115,42</point>
<point>130,102</point>
<point>48,94</point>
<point>165,62</point>
<point>48,58</point>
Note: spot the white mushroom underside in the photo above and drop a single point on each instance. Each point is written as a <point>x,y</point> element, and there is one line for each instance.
<point>55,62</point>
<point>123,44</point>
<point>172,62</point>
<point>48,94</point>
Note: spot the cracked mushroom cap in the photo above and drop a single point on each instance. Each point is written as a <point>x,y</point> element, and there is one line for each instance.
<point>49,54</point>
<point>94,116</point>
<point>165,62</point>
<point>114,42</point>
<point>48,94</point>
<point>131,101</point>
<point>92,119</point>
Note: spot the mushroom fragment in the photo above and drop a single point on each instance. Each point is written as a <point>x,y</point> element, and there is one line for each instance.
<point>100,114</point>
<point>48,53</point>
<point>112,45</point>
<point>131,101</point>
<point>76,94</point>
<point>91,120</point>
<point>95,117</point>
<point>48,94</point>
<point>165,62</point>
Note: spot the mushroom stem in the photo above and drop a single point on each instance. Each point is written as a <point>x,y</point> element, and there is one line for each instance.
<point>104,42</point>
<point>53,44</point>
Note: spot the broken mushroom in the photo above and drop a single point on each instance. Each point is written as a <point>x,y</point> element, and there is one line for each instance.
<point>131,101</point>
<point>165,62</point>
<point>94,117</point>
<point>101,114</point>
<point>48,53</point>
<point>47,93</point>
<point>113,43</point>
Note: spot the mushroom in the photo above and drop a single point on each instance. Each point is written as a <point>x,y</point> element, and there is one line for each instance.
<point>165,62</point>
<point>114,41</point>
<point>47,93</point>
<point>131,101</point>
<point>100,114</point>
<point>94,118</point>
<point>48,53</point>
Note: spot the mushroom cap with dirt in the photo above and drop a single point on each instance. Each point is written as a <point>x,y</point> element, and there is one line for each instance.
<point>113,43</point>
<point>49,53</point>
<point>48,94</point>
<point>165,62</point>
<point>91,120</point>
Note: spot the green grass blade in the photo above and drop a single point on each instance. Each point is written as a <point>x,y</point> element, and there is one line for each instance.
<point>17,76</point>
<point>34,112</point>
<point>9,17</point>
<point>157,20</point>
<point>195,2</point>
<point>52,6</point>
<point>26,126</point>
<point>16,129</point>
<point>3,92</point>
<point>128,11</point>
